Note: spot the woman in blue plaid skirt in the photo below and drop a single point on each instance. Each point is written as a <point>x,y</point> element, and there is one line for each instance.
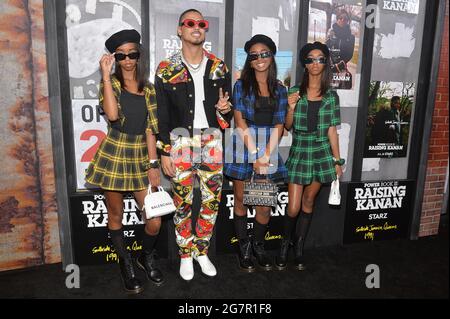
<point>314,157</point>
<point>260,103</point>
<point>126,160</point>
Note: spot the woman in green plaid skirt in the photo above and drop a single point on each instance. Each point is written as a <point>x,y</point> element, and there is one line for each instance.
<point>127,160</point>
<point>314,155</point>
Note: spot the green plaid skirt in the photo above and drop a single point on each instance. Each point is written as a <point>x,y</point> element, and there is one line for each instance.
<point>310,160</point>
<point>121,163</point>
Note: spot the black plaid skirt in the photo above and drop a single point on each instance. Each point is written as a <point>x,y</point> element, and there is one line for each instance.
<point>121,163</point>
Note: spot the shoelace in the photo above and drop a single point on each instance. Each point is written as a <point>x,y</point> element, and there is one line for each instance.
<point>129,268</point>
<point>259,249</point>
<point>284,246</point>
<point>299,248</point>
<point>247,251</point>
<point>150,259</point>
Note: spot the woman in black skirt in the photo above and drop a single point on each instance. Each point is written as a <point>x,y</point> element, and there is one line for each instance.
<point>314,158</point>
<point>126,161</point>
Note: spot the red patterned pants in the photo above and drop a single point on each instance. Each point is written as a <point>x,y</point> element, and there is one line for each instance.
<point>200,156</point>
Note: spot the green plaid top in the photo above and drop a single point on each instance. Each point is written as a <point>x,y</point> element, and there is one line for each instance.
<point>150,99</point>
<point>329,115</point>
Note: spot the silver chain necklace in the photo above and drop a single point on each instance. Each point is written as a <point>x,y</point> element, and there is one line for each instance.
<point>191,67</point>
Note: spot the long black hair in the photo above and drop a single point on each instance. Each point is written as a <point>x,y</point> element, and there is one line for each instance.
<point>142,70</point>
<point>324,81</point>
<point>249,83</point>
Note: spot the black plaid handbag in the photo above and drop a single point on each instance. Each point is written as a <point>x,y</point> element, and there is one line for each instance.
<point>260,193</point>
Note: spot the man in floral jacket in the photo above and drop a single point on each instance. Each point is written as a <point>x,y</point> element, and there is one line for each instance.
<point>192,90</point>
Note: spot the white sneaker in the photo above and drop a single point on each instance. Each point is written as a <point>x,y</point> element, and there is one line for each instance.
<point>206,265</point>
<point>186,268</point>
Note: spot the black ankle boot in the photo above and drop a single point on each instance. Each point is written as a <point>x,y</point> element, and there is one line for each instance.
<point>262,258</point>
<point>147,262</point>
<point>281,259</point>
<point>131,283</point>
<point>299,258</point>
<point>245,255</point>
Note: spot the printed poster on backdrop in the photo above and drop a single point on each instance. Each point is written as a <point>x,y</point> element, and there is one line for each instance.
<point>405,6</point>
<point>226,240</point>
<point>378,210</point>
<point>398,41</point>
<point>388,120</point>
<point>338,25</point>
<point>89,130</point>
<point>91,244</point>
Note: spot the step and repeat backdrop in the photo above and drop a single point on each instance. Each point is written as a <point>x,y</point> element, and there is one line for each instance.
<point>372,211</point>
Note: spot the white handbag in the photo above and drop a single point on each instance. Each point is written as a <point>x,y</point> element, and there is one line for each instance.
<point>158,203</point>
<point>335,196</point>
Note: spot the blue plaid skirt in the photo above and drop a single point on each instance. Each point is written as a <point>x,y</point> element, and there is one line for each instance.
<point>238,163</point>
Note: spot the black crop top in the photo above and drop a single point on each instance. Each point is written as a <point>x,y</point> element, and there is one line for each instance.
<point>313,115</point>
<point>134,109</point>
<point>264,111</point>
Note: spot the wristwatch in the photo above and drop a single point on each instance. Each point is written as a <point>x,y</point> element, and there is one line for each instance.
<point>339,162</point>
<point>154,163</point>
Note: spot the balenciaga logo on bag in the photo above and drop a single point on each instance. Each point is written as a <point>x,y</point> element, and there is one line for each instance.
<point>160,205</point>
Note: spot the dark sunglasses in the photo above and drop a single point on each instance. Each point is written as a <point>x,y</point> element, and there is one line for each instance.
<point>262,55</point>
<point>123,56</point>
<point>190,23</point>
<point>320,60</point>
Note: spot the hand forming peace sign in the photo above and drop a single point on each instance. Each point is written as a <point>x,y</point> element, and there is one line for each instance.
<point>223,105</point>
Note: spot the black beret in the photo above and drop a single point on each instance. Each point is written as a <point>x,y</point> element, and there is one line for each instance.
<point>312,46</point>
<point>261,38</point>
<point>122,37</point>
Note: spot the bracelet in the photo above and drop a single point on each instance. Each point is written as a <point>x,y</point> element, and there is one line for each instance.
<point>339,162</point>
<point>109,80</point>
<point>154,163</point>
<point>256,151</point>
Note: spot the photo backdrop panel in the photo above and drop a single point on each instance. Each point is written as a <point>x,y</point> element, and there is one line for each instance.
<point>378,210</point>
<point>84,49</point>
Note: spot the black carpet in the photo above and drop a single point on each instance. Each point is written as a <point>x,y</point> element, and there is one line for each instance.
<point>408,269</point>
